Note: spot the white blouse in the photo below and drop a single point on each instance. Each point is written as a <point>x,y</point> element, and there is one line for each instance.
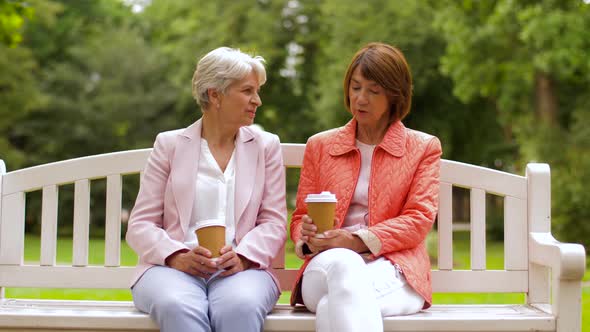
<point>215,196</point>
<point>357,216</point>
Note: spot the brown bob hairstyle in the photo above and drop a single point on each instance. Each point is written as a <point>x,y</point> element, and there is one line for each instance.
<point>387,66</point>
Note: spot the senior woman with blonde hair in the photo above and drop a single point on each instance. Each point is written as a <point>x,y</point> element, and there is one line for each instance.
<point>386,178</point>
<point>219,168</point>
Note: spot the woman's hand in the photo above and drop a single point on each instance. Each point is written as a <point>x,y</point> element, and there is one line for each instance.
<point>231,262</point>
<point>196,262</point>
<point>308,229</point>
<point>337,238</point>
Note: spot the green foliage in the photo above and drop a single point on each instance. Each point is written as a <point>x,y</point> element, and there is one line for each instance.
<point>105,92</point>
<point>500,82</point>
<point>107,97</point>
<point>571,181</point>
<point>529,60</point>
<point>258,28</point>
<point>18,96</point>
<point>12,17</point>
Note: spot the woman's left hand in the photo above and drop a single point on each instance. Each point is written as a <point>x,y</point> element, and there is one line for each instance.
<point>231,262</point>
<point>338,238</point>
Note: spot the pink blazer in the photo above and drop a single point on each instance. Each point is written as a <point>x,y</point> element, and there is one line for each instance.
<point>162,211</point>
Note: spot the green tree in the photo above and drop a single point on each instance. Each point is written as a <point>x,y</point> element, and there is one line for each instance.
<point>529,60</point>
<point>19,89</point>
<point>260,27</point>
<point>344,26</point>
<point>19,94</point>
<point>103,91</point>
<point>12,17</point>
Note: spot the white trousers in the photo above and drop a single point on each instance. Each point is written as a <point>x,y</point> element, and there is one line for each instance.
<point>348,294</point>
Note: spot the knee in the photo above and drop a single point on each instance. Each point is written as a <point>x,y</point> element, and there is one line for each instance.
<point>241,311</point>
<point>240,305</point>
<point>339,261</point>
<point>171,307</point>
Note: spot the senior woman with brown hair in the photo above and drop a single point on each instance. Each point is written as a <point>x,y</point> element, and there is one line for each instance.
<point>386,180</point>
<point>218,169</point>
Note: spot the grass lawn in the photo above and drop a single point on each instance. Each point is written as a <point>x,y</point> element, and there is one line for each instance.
<point>495,260</point>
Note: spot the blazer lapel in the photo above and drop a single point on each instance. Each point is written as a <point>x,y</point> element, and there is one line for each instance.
<point>184,171</point>
<point>246,165</point>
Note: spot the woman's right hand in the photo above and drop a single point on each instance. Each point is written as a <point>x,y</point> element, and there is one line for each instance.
<point>308,229</point>
<point>196,262</point>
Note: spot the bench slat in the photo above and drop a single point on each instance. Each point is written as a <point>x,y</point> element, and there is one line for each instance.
<point>492,181</point>
<point>132,161</point>
<point>287,278</point>
<point>515,234</point>
<point>81,222</point>
<point>113,221</point>
<point>279,261</point>
<point>99,277</point>
<point>490,281</point>
<point>478,229</point>
<point>445,227</point>
<point>63,276</point>
<point>122,316</point>
<point>68,171</point>
<point>292,154</point>
<point>12,229</point>
<point>49,225</point>
<point>95,167</point>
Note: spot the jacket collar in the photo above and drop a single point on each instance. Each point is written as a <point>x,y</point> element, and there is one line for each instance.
<point>186,163</point>
<point>394,141</point>
<point>194,131</point>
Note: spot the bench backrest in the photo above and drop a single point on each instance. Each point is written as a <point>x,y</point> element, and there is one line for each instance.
<point>526,208</point>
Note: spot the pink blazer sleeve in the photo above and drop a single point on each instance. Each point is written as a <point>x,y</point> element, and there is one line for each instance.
<point>263,242</point>
<point>145,234</point>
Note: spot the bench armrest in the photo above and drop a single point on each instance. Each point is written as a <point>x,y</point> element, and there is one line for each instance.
<point>566,260</point>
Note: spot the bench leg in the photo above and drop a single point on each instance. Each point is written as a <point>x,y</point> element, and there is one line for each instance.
<point>567,305</point>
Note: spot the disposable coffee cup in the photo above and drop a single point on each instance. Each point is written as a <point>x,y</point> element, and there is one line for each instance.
<point>321,209</point>
<point>211,235</point>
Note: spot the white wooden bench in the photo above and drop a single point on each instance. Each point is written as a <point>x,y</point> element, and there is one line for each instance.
<point>549,273</point>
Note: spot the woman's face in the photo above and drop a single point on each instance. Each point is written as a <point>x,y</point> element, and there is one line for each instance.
<point>369,103</point>
<point>238,105</point>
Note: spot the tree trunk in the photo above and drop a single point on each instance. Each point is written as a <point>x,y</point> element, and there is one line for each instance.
<point>545,99</point>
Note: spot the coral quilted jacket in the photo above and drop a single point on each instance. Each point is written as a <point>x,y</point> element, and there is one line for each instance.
<point>403,193</point>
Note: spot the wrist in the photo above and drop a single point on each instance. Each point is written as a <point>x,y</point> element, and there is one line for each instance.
<point>246,263</point>
<point>358,245</point>
<point>168,261</point>
<point>300,247</point>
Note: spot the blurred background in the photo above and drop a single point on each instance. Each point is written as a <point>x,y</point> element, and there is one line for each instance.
<point>500,82</point>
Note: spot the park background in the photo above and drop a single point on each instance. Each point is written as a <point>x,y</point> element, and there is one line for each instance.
<point>500,82</point>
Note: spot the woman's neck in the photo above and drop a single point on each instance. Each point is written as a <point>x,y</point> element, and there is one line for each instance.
<point>216,134</point>
<point>372,135</point>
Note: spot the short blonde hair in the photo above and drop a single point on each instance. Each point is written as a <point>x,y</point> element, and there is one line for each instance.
<point>221,67</point>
